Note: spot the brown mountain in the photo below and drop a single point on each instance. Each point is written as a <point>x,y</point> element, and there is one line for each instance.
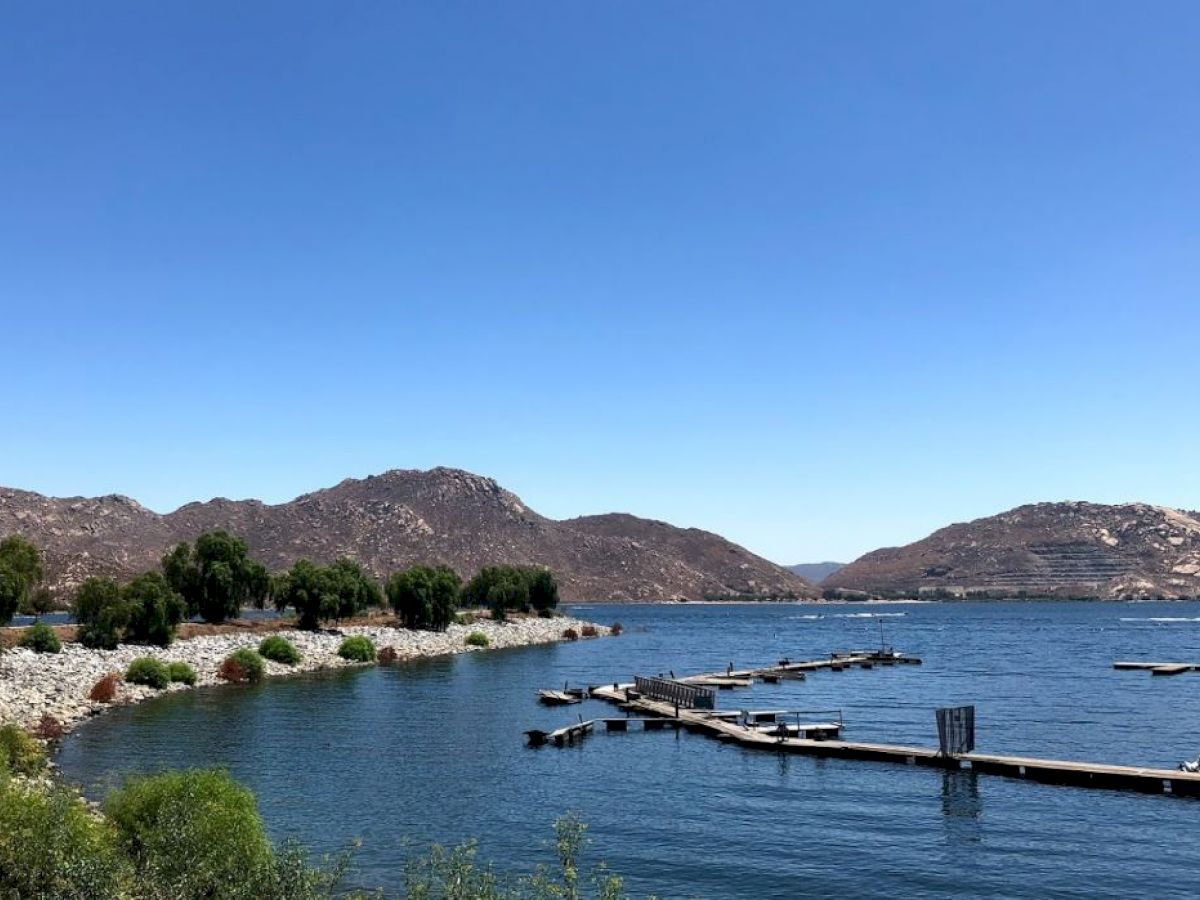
<point>1131,550</point>
<point>393,520</point>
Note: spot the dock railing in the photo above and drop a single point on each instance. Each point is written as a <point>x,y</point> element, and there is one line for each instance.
<point>685,696</point>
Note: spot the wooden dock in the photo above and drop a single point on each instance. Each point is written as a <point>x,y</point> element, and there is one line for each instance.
<point>1047,771</point>
<point>1159,668</point>
<point>786,668</point>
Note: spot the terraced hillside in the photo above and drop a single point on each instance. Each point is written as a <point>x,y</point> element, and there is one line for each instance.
<point>1129,550</point>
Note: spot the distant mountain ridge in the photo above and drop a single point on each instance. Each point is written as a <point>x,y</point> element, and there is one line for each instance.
<point>401,517</point>
<point>816,572</point>
<point>1071,549</point>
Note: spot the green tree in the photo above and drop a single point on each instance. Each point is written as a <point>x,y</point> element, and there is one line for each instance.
<point>20,572</point>
<point>425,596</point>
<point>543,589</point>
<point>12,589</point>
<point>154,609</point>
<point>216,577</point>
<point>100,612</point>
<point>325,593</point>
<point>305,588</point>
<point>354,589</point>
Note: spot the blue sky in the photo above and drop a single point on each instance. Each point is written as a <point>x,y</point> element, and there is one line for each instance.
<point>819,277</point>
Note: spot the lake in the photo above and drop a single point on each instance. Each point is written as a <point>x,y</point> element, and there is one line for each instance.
<point>434,751</point>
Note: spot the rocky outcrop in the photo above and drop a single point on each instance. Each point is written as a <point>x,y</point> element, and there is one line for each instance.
<point>393,520</point>
<point>1132,550</point>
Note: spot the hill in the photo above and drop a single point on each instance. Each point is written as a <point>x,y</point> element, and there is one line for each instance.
<point>816,572</point>
<point>1072,549</point>
<point>392,520</point>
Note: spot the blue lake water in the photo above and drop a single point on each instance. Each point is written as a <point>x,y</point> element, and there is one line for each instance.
<point>434,751</point>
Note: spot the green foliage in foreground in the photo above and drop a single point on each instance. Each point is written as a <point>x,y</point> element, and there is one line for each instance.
<point>41,638</point>
<point>455,874</point>
<point>20,752</point>
<point>198,835</point>
<point>358,648</point>
<point>279,649</point>
<point>51,846</point>
<point>148,671</point>
<point>477,639</point>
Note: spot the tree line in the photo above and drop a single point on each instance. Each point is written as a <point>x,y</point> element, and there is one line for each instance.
<point>215,578</point>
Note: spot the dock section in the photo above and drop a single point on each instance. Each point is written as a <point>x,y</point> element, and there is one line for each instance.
<point>760,730</point>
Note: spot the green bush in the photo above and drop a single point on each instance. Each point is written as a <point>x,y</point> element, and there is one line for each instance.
<point>192,834</point>
<point>181,672</point>
<point>279,649</point>
<point>358,648</point>
<point>40,638</point>
<point>101,613</point>
<point>52,846</point>
<point>243,666</point>
<point>477,639</point>
<point>20,753</point>
<point>148,671</point>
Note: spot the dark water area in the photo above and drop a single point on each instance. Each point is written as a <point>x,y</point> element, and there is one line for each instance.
<point>434,751</point>
<point>63,617</point>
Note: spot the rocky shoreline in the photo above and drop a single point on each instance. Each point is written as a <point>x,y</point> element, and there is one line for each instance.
<point>35,685</point>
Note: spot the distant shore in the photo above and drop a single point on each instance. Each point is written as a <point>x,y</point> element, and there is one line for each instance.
<point>34,685</point>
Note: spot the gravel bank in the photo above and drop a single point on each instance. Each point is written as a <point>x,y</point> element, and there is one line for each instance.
<point>33,684</point>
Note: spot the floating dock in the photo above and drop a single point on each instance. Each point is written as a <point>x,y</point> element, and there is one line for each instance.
<point>1046,771</point>
<point>1159,668</point>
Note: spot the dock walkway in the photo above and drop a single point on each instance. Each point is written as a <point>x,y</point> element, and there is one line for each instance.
<point>1047,771</point>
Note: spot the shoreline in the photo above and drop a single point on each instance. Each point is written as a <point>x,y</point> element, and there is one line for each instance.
<point>33,685</point>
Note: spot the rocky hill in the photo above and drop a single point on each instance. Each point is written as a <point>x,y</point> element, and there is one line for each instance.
<point>1130,550</point>
<point>393,520</point>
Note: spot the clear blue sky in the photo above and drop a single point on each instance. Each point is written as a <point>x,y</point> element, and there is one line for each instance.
<point>820,277</point>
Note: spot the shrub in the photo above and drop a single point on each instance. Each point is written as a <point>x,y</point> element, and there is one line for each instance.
<point>41,638</point>
<point>49,728</point>
<point>181,672</point>
<point>105,690</point>
<point>242,667</point>
<point>22,753</point>
<point>358,648</point>
<point>192,834</point>
<point>51,845</point>
<point>477,639</point>
<point>571,634</point>
<point>616,628</point>
<point>589,631</point>
<point>148,671</point>
<point>279,649</point>
<point>388,656</point>
<point>101,613</point>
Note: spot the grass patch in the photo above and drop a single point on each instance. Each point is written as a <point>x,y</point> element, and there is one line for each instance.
<point>477,639</point>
